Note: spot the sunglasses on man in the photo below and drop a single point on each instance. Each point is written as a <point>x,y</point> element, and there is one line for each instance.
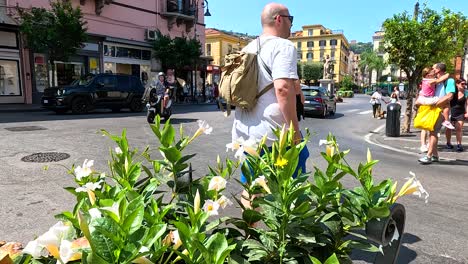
<point>291,18</point>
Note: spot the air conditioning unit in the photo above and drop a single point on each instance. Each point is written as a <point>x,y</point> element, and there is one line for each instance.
<point>150,34</point>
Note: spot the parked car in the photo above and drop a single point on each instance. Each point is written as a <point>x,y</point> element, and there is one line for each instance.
<point>318,101</point>
<point>113,91</point>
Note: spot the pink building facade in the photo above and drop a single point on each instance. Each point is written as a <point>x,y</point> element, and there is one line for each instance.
<point>119,33</point>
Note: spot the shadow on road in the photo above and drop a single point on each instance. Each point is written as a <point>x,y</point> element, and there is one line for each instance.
<point>405,256</point>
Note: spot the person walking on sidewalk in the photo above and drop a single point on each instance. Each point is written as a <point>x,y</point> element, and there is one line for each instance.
<point>459,106</point>
<point>445,92</point>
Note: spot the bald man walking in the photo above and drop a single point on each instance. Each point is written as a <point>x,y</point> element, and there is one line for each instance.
<point>277,107</point>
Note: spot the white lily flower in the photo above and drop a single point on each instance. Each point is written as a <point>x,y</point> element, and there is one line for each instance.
<point>66,251</point>
<point>240,154</point>
<point>55,234</point>
<point>412,186</point>
<point>85,171</point>
<point>94,213</point>
<point>89,186</point>
<point>118,151</point>
<point>217,183</point>
<point>211,207</point>
<point>223,201</point>
<point>262,182</point>
<point>204,127</point>
<point>35,249</point>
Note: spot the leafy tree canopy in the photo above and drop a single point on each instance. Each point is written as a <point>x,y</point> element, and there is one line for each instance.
<point>59,32</point>
<point>311,72</point>
<point>361,47</point>
<point>177,53</point>
<point>414,43</point>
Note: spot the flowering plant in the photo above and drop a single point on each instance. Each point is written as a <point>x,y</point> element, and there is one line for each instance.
<point>148,210</point>
<point>309,220</point>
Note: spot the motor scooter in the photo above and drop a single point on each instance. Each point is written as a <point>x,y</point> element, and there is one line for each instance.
<point>153,107</point>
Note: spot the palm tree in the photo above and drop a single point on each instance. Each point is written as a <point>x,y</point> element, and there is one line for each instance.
<point>369,62</point>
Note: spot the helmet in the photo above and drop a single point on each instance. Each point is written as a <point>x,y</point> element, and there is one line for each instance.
<point>161,74</point>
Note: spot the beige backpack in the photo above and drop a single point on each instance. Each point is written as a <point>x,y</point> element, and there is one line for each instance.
<point>239,80</point>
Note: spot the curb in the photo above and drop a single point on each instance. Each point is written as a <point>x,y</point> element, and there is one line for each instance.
<point>377,139</point>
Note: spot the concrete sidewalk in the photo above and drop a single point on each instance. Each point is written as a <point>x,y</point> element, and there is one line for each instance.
<point>410,143</point>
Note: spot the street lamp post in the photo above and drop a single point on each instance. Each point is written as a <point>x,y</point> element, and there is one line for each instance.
<point>203,4</point>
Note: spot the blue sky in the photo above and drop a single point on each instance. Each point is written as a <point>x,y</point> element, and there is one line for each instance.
<point>359,19</point>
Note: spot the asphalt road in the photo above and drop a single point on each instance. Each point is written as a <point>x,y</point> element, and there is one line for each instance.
<point>435,232</point>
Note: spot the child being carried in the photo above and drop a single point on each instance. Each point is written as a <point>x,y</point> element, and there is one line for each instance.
<point>427,94</point>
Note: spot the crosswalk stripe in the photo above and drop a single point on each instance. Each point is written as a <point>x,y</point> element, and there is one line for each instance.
<point>350,111</point>
<point>365,112</point>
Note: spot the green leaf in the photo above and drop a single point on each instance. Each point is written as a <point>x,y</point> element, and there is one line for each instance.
<point>332,260</point>
<point>134,216</point>
<point>379,212</point>
<point>167,135</point>
<point>314,260</point>
<point>105,239</point>
<point>171,153</point>
<point>251,216</point>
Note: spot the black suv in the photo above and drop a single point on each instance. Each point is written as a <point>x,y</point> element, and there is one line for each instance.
<point>114,91</point>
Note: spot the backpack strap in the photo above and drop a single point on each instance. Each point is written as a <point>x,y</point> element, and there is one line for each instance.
<point>267,69</point>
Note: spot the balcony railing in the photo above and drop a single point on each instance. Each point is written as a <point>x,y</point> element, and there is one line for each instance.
<point>184,13</point>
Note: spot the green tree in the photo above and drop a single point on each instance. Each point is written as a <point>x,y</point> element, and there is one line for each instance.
<point>59,32</point>
<point>347,83</point>
<point>178,53</point>
<point>414,43</point>
<point>312,72</point>
<point>361,47</point>
<point>371,61</point>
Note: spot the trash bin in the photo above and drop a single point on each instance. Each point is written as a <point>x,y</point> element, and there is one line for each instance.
<point>392,128</point>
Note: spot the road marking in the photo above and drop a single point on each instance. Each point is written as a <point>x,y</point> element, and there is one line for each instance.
<point>350,111</point>
<point>365,112</point>
<point>377,130</point>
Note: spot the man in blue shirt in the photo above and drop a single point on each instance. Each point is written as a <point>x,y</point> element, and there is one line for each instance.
<point>446,91</point>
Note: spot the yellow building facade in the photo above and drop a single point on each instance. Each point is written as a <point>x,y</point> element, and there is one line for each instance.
<point>315,42</point>
<point>217,45</point>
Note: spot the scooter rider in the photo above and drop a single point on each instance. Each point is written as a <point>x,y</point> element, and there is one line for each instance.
<point>160,89</point>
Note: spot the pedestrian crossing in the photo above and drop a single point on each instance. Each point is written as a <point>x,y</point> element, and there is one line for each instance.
<point>365,112</point>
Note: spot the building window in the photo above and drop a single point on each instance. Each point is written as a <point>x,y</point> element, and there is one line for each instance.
<point>333,42</point>
<point>229,49</point>
<point>299,45</point>
<point>208,49</point>
<point>322,43</point>
<point>9,78</point>
<point>322,54</point>
<point>332,54</point>
<point>124,52</point>
<point>310,44</point>
<point>299,56</point>
<point>8,40</point>
<point>310,32</point>
<point>310,56</point>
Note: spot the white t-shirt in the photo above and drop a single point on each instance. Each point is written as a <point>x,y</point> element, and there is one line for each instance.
<point>376,97</point>
<point>281,57</point>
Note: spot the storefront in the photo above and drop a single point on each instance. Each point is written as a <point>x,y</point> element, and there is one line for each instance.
<point>11,88</point>
<point>128,59</point>
<point>214,74</point>
<point>87,60</point>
